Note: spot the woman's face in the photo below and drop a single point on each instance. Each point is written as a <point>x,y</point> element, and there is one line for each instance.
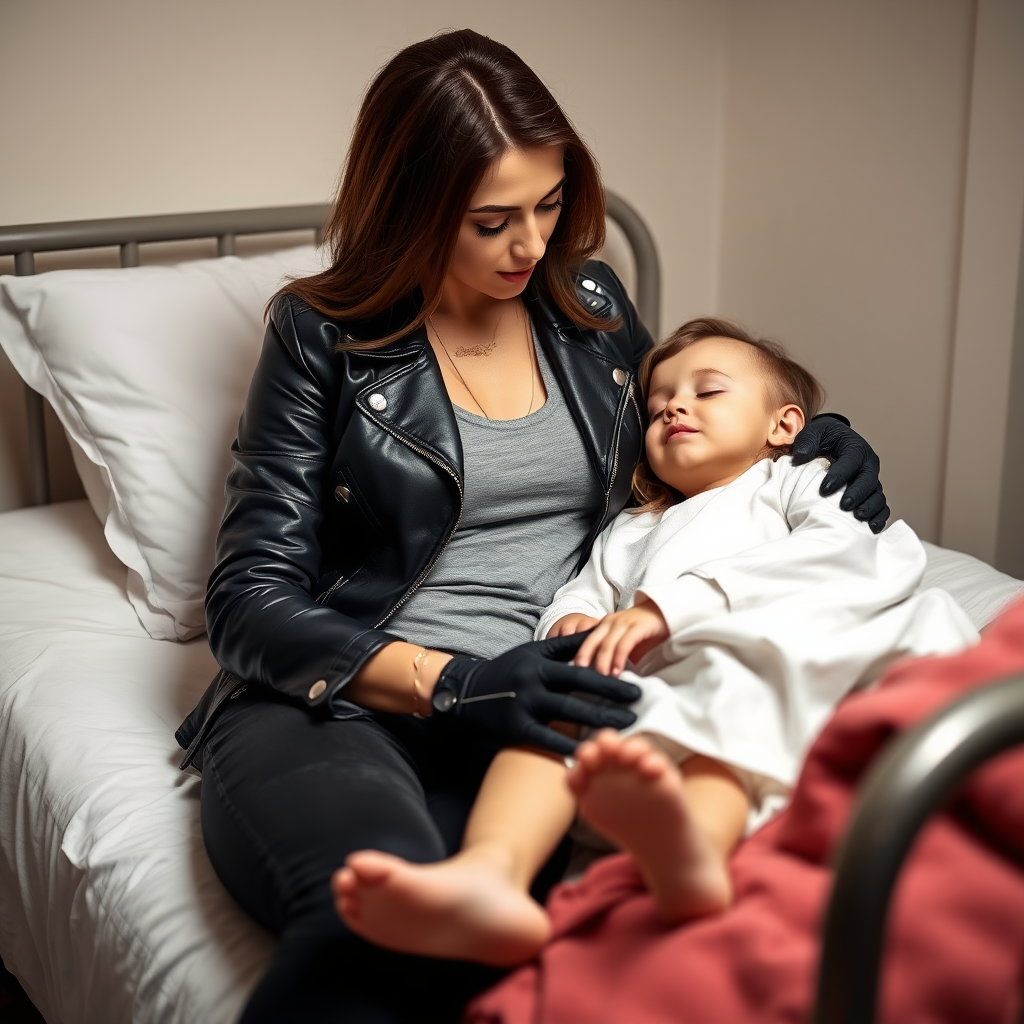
<point>507,223</point>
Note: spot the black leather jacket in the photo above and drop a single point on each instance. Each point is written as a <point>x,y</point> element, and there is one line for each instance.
<point>346,485</point>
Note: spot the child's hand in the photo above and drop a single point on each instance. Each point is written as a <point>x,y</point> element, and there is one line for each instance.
<point>569,624</point>
<point>620,635</point>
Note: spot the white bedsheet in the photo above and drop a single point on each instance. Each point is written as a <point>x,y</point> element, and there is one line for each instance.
<point>109,908</point>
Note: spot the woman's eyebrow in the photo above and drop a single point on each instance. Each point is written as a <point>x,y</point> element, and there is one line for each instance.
<point>509,209</point>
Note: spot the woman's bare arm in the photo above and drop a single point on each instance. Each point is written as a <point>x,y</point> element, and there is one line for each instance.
<point>398,679</point>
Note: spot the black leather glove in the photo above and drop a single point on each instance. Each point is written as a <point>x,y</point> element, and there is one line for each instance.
<point>511,696</point>
<point>854,464</point>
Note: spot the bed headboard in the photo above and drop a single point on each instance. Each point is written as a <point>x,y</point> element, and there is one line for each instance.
<point>23,241</point>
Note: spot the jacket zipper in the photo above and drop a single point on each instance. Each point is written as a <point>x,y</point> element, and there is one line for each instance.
<point>615,442</point>
<point>325,596</point>
<point>615,457</point>
<point>430,457</point>
<point>599,525</point>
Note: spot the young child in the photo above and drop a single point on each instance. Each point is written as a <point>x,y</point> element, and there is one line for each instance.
<point>748,611</point>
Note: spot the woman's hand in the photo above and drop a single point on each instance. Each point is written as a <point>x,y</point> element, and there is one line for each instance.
<point>622,636</point>
<point>854,465</point>
<point>515,695</point>
<point>576,622</point>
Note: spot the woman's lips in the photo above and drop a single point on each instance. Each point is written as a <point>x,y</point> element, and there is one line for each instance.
<point>515,277</point>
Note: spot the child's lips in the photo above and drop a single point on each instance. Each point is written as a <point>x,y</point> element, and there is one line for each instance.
<point>678,428</point>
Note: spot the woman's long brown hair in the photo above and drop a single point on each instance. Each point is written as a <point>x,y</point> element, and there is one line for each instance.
<point>432,121</point>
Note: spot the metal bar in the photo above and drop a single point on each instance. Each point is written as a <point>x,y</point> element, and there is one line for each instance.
<point>130,254</point>
<point>35,415</point>
<point>226,244</point>
<point>912,778</point>
<point>217,224</point>
<point>648,266</point>
<point>38,463</point>
<point>85,234</point>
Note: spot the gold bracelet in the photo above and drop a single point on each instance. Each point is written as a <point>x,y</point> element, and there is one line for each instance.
<point>417,696</point>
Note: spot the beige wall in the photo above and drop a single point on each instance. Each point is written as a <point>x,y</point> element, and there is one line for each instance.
<point>845,133</point>
<point>982,507</point>
<point>806,166</point>
<point>872,210</point>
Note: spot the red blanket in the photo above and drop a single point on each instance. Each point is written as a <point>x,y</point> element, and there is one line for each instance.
<point>955,946</point>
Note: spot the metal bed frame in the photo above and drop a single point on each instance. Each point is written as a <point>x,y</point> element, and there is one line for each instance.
<point>915,776</point>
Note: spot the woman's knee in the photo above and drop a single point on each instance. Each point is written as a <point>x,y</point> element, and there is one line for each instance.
<point>280,817</point>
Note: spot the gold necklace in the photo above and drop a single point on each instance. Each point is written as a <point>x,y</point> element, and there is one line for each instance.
<point>530,354</point>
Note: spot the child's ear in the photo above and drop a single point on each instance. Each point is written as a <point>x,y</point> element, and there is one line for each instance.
<point>786,424</point>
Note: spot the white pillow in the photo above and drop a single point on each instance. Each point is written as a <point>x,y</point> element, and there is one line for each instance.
<point>147,369</point>
<point>982,592</point>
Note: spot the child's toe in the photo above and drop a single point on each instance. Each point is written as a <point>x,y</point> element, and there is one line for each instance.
<point>653,765</point>
<point>343,881</point>
<point>588,756</point>
<point>632,751</point>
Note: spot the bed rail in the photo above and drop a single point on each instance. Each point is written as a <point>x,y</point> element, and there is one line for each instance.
<point>23,241</point>
<point>915,775</point>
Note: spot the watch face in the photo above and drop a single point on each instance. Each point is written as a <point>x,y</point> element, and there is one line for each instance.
<point>443,699</point>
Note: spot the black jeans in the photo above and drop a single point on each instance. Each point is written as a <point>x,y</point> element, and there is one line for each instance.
<point>285,798</point>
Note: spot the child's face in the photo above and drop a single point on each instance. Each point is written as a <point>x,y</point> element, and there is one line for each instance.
<point>709,415</point>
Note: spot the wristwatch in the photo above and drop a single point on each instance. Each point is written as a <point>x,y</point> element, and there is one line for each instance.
<point>443,698</point>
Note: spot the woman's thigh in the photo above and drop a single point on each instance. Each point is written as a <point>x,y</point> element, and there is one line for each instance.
<point>286,797</point>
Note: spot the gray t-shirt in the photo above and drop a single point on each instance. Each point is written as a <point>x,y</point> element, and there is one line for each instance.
<point>530,495</point>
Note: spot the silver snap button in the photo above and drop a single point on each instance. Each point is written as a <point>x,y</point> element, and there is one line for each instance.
<point>619,376</point>
<point>317,688</point>
<point>588,284</point>
<point>342,493</point>
<point>377,402</point>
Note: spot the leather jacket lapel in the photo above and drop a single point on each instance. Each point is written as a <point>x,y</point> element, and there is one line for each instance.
<point>409,399</point>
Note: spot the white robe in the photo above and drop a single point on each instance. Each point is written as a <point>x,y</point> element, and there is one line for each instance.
<point>778,604</point>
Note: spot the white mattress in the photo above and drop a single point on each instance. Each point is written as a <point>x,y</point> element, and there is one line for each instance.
<point>109,908</point>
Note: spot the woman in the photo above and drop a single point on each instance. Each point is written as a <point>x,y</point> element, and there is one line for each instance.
<point>439,426</point>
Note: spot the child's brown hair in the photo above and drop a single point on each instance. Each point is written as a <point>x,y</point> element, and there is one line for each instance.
<point>786,383</point>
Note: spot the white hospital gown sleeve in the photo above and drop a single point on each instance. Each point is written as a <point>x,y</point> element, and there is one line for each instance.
<point>687,601</point>
<point>591,593</point>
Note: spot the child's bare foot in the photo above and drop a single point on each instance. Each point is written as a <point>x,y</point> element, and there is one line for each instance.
<point>631,793</point>
<point>465,908</point>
